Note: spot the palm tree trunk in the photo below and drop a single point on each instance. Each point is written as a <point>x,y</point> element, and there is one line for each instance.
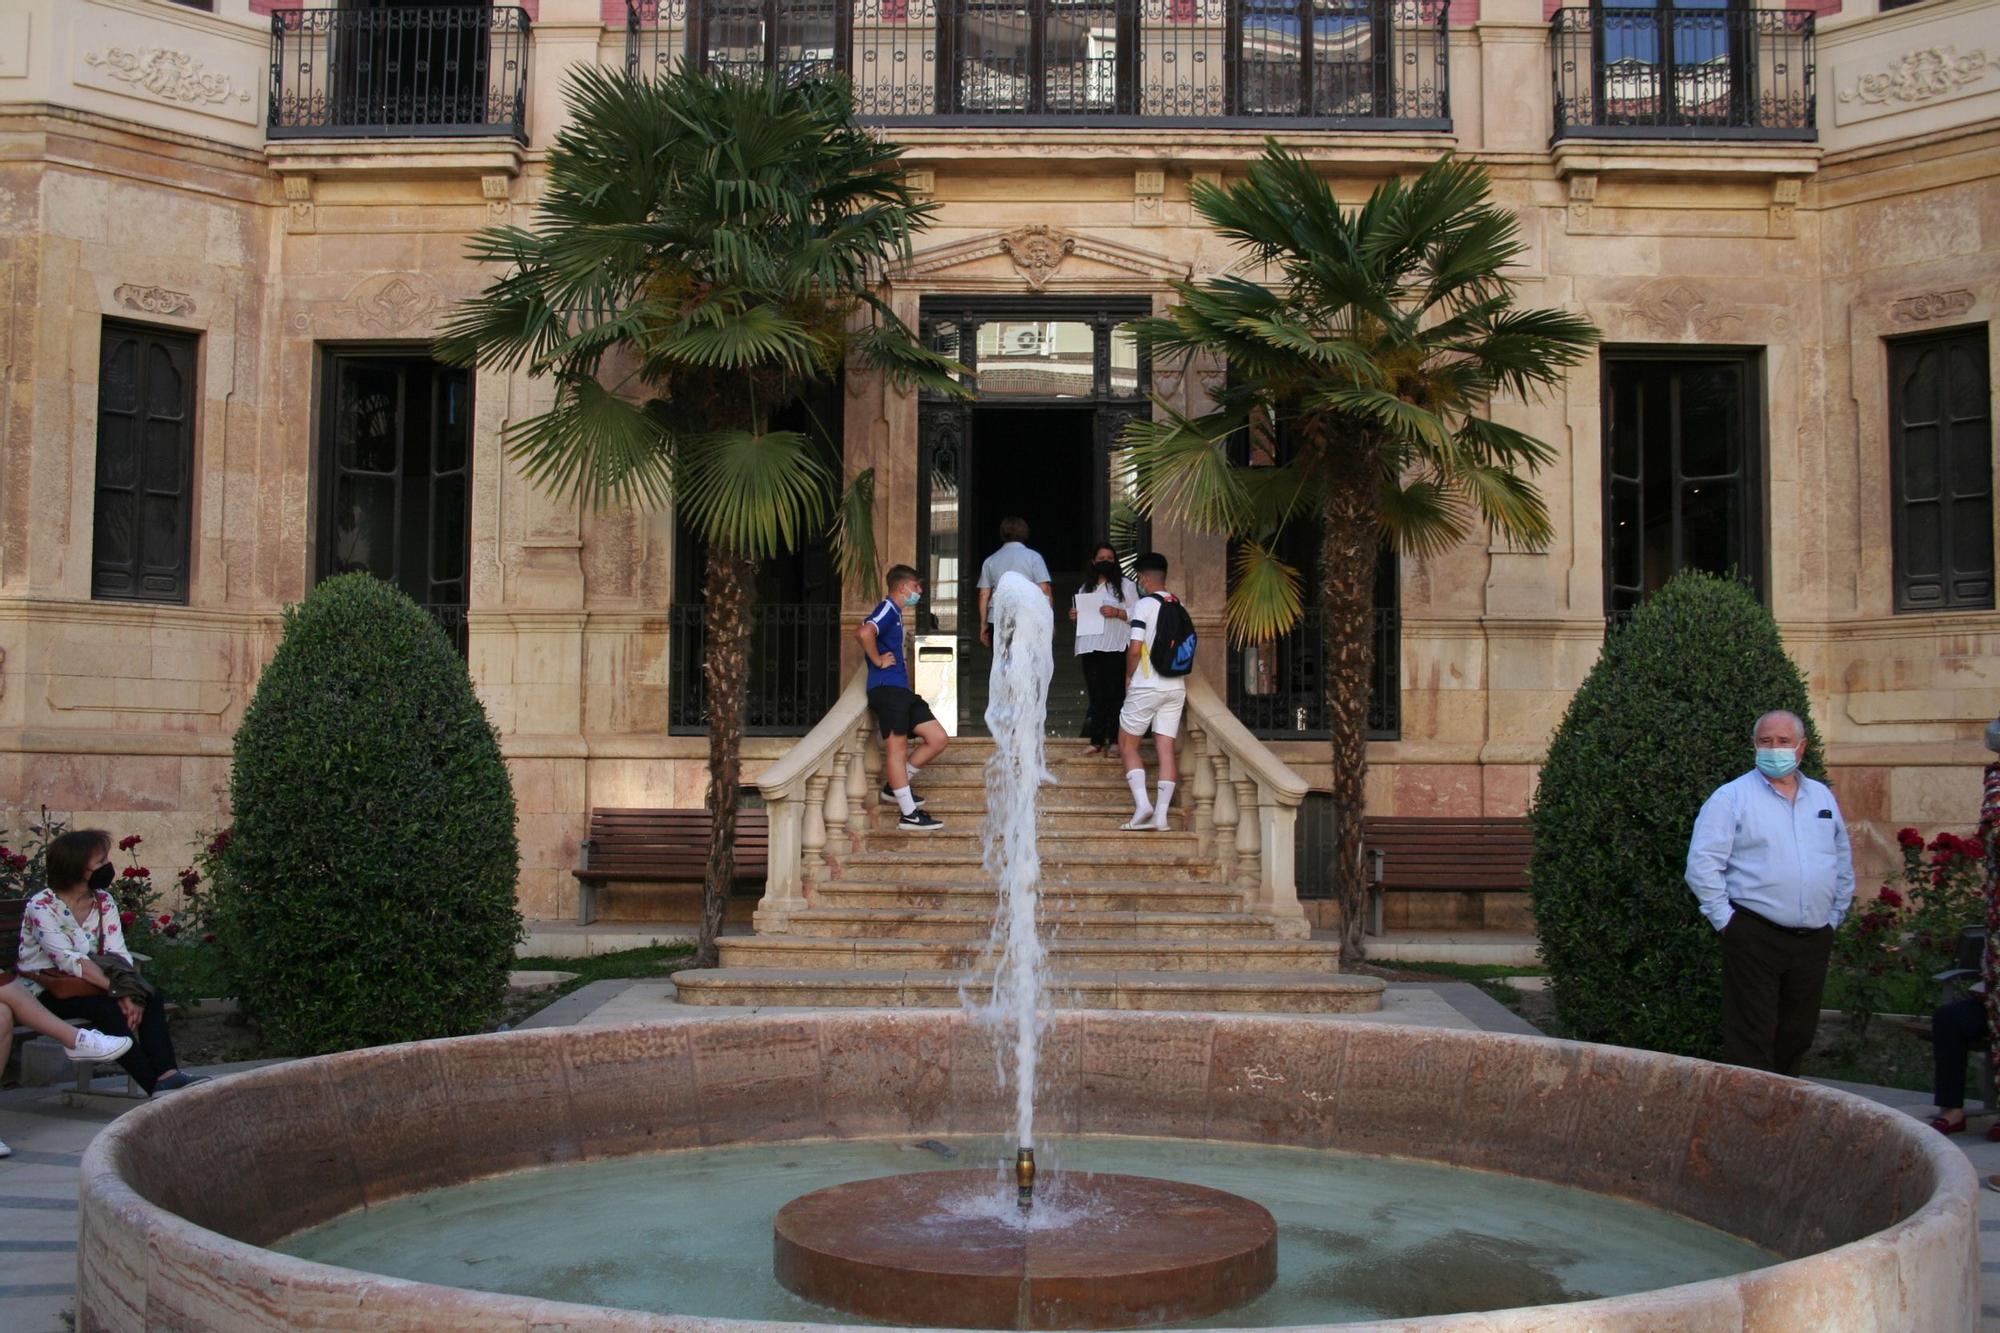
<point>1350,545</point>
<point>729,586</point>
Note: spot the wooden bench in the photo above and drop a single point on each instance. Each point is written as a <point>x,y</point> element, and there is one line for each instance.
<point>662,847</point>
<point>1444,856</point>
<point>36,1073</point>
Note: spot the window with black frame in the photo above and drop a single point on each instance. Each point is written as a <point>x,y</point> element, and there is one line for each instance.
<point>396,465</point>
<point>1941,457</point>
<point>141,520</point>
<point>1682,445</point>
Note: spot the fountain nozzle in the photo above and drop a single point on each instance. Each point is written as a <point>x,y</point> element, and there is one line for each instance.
<point>1024,1177</point>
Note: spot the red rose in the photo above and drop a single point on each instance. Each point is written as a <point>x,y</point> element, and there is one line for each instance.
<point>19,862</point>
<point>164,919</point>
<point>138,872</point>
<point>127,918</point>
<point>127,844</point>
<point>1891,897</point>
<point>1909,837</point>
<point>190,879</point>
<point>208,938</point>
<point>170,930</point>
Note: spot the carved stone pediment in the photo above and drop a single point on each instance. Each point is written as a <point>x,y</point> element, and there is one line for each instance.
<point>1038,258</point>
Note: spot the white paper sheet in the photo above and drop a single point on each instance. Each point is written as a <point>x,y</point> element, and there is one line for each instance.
<point>1089,613</point>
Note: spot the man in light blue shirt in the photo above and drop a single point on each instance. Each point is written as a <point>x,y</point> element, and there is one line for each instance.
<point>1014,554</point>
<point>1771,866</point>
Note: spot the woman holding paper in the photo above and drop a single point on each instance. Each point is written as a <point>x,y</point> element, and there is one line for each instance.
<point>1101,609</point>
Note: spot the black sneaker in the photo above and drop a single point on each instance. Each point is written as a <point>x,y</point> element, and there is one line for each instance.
<point>920,822</point>
<point>889,798</point>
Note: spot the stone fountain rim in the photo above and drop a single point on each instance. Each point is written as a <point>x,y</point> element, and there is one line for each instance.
<point>101,1186</point>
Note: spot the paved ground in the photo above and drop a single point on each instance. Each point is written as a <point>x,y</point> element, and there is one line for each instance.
<point>49,1129</point>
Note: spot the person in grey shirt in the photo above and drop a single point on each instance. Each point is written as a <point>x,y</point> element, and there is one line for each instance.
<point>1772,870</point>
<point>1013,555</point>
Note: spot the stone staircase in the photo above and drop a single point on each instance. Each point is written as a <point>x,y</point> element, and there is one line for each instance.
<point>1132,920</point>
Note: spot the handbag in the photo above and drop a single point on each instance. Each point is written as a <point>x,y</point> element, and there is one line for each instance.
<point>61,985</point>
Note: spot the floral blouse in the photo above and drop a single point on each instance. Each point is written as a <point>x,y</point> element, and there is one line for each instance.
<point>51,938</point>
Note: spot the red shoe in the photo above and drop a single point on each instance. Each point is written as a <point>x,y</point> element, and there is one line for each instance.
<point>1993,1132</point>
<point>1944,1126</point>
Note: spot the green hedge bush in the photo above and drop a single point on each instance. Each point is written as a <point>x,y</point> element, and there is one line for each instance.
<point>1663,719</point>
<point>366,894</point>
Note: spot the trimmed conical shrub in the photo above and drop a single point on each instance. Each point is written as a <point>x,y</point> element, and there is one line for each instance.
<point>367,892</point>
<point>1663,719</point>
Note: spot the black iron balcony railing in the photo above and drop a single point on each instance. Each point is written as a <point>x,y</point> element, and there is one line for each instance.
<point>794,668</point>
<point>1309,63</point>
<point>1278,690</point>
<point>409,72</point>
<point>1683,73</point>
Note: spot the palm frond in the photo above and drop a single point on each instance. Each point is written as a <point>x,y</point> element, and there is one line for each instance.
<point>1178,470</point>
<point>853,535</point>
<point>757,494</point>
<point>595,446</point>
<point>1510,504</point>
<point>1265,600</point>
<point>1420,517</point>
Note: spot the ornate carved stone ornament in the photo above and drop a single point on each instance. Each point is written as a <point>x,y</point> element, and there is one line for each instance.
<point>1037,251</point>
<point>153,300</point>
<point>1929,306</point>
<point>1675,309</point>
<point>172,76</point>
<point>1921,75</point>
<point>392,302</point>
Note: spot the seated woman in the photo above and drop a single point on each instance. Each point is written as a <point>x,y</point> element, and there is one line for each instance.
<point>18,1005</point>
<point>1956,1028</point>
<point>69,921</point>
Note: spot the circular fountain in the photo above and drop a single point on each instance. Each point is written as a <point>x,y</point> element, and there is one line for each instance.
<point>1791,1205</point>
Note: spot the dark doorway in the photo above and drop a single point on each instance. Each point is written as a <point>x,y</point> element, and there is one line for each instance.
<point>1034,462</point>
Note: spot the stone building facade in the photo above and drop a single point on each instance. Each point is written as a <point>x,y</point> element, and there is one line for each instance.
<point>227,233</point>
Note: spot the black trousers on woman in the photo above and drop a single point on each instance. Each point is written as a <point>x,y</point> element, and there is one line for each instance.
<point>1104,681</point>
<point>1955,1029</point>
<point>152,1052</point>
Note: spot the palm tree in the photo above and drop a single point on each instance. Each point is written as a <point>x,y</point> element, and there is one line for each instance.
<point>705,255</point>
<point>1364,373</point>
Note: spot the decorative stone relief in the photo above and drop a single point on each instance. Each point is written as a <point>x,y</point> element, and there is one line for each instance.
<point>1582,195</point>
<point>1915,78</point>
<point>153,300</point>
<point>299,215</point>
<point>1037,251</point>
<point>171,76</point>
<point>1929,306</point>
<point>1149,193</point>
<point>392,302</point>
<point>495,188</point>
<point>922,185</point>
<point>1679,310</point>
<point>1784,205</point>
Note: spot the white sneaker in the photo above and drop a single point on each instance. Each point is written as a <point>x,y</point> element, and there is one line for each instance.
<point>1139,824</point>
<point>93,1046</point>
<point>5,1151</point>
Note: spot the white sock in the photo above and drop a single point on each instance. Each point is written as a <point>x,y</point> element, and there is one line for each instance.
<point>904,801</point>
<point>1160,806</point>
<point>912,770</point>
<point>1142,809</point>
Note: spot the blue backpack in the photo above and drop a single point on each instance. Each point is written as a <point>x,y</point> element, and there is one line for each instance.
<point>1172,653</point>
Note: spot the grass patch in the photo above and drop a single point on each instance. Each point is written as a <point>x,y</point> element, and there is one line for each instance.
<point>648,964</point>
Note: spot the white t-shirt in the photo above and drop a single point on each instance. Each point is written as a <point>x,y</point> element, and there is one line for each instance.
<point>1145,623</point>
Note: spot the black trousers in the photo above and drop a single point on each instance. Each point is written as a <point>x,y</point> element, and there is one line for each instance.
<point>1771,984</point>
<point>1955,1029</point>
<point>152,1052</point>
<point>1104,681</point>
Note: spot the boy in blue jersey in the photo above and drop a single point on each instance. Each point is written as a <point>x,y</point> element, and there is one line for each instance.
<point>898,710</point>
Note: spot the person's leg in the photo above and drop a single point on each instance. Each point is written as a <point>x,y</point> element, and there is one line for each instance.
<point>30,1012</point>
<point>931,742</point>
<point>102,1012</point>
<point>1135,774</point>
<point>153,1039</point>
<point>1094,696</point>
<point>1801,986</point>
<point>1749,995</point>
<point>896,772</point>
<point>1955,1028</point>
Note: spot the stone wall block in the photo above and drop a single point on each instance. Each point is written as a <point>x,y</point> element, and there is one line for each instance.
<point>757,1084</point>
<point>884,1074</point>
<point>1153,1079</point>
<point>631,1089</point>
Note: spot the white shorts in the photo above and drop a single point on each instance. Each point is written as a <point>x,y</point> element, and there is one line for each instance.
<point>1146,707</point>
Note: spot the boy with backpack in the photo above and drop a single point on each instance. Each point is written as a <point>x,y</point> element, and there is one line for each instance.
<point>1157,662</point>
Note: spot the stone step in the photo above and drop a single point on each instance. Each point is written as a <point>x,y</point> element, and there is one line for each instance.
<point>918,865</point>
<point>938,924</point>
<point>967,818</point>
<point>964,833</point>
<point>1098,897</point>
<point>1067,954</point>
<point>1111,798</point>
<point>1286,992</point>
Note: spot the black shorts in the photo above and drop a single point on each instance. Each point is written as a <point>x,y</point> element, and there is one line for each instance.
<point>899,711</point>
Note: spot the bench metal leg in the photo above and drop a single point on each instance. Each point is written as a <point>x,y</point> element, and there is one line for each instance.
<point>1375,896</point>
<point>586,903</point>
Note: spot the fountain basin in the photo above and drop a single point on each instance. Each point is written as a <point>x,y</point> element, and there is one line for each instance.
<point>1874,1214</point>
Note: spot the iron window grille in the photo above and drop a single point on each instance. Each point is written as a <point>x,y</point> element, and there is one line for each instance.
<point>794,665</point>
<point>1666,72</point>
<point>1272,63</point>
<point>404,71</point>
